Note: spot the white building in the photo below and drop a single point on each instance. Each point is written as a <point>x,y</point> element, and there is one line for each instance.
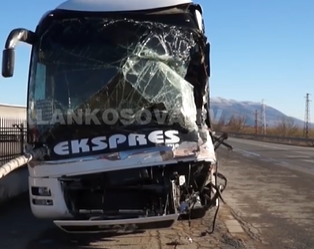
<point>15,112</point>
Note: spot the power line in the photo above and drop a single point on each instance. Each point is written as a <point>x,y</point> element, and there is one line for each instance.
<point>307,116</point>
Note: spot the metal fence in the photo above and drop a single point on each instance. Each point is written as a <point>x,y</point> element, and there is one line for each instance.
<point>12,138</point>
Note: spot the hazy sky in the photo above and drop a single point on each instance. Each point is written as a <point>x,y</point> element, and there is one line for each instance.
<point>260,50</point>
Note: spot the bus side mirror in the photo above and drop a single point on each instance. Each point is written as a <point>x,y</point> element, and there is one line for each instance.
<point>8,55</point>
<point>8,62</point>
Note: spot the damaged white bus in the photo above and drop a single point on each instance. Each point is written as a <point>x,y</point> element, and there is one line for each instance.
<point>118,124</point>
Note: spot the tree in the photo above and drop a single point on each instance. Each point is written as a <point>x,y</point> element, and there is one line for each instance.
<point>218,126</point>
<point>286,127</point>
<point>237,123</point>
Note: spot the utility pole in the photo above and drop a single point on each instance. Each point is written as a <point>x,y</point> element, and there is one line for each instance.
<point>307,116</point>
<point>263,118</point>
<point>256,122</point>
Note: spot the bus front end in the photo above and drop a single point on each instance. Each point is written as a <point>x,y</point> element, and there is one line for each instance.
<point>119,101</point>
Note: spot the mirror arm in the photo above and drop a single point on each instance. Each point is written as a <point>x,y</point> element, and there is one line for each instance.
<point>17,35</point>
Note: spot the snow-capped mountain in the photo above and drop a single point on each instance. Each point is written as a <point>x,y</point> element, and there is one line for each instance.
<point>226,108</point>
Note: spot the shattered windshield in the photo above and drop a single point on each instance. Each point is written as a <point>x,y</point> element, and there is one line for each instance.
<point>95,64</point>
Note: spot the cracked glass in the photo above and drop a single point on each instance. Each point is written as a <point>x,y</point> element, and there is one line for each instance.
<point>91,64</point>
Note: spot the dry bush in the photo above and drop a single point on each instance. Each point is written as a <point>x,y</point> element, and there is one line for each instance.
<point>218,126</point>
<point>285,128</point>
<point>237,123</point>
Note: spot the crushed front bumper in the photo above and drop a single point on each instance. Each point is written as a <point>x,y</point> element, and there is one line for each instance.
<point>117,226</point>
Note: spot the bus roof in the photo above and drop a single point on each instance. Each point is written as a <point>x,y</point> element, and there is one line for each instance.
<point>118,5</point>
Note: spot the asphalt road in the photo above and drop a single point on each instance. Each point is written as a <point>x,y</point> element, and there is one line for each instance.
<point>271,192</point>
<point>294,157</point>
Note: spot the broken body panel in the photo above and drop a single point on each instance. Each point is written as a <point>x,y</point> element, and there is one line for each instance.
<point>120,98</point>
